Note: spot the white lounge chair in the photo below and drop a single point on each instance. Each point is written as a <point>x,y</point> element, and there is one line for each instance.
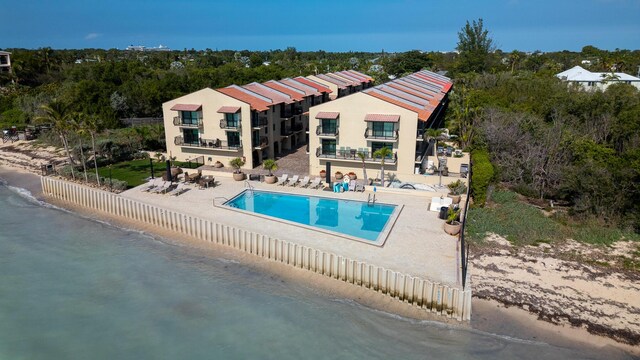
<point>359,185</point>
<point>315,183</point>
<point>283,180</point>
<point>293,181</point>
<point>304,182</point>
<point>160,188</point>
<point>151,184</point>
<point>179,190</point>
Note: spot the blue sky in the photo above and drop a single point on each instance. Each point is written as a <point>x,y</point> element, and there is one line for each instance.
<point>331,25</point>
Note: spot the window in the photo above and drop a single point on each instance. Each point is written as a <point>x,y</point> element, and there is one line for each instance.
<point>383,129</point>
<point>255,137</point>
<point>191,136</point>
<point>379,145</point>
<point>329,126</point>
<point>233,120</point>
<point>190,117</point>
<point>233,139</point>
<point>328,147</point>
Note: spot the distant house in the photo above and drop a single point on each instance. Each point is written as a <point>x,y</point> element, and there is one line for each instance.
<point>5,61</point>
<point>596,80</point>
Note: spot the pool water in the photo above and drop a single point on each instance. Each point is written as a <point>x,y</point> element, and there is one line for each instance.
<point>349,217</point>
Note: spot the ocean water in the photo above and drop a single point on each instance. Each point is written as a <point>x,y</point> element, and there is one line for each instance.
<point>74,288</point>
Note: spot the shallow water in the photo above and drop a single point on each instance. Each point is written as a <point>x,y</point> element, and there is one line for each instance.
<point>73,288</point>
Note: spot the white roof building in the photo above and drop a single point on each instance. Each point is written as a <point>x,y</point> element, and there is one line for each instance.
<point>596,80</point>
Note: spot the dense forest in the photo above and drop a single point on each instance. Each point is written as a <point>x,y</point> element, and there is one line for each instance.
<point>526,129</point>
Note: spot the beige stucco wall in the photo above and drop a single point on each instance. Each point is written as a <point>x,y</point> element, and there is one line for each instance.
<point>353,109</point>
<point>211,101</point>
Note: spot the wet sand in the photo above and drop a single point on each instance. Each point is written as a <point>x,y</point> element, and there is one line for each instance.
<point>488,315</point>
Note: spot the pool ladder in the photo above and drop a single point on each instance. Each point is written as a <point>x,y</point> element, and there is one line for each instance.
<point>248,186</point>
<point>371,201</point>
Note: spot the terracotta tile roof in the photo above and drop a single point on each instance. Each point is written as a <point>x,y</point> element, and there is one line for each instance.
<point>313,84</point>
<point>255,102</point>
<point>342,84</point>
<point>327,115</point>
<point>381,118</point>
<point>420,92</point>
<point>308,90</point>
<point>348,80</point>
<point>229,109</point>
<point>355,77</point>
<point>295,94</point>
<point>276,96</point>
<point>367,77</point>
<point>186,107</point>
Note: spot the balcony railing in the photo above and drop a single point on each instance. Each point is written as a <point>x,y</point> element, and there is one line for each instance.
<point>262,143</point>
<point>259,122</point>
<point>391,135</point>
<point>230,125</point>
<point>351,155</point>
<point>216,144</point>
<point>328,132</point>
<point>178,121</point>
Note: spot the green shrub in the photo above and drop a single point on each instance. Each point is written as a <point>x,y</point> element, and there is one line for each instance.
<point>481,176</point>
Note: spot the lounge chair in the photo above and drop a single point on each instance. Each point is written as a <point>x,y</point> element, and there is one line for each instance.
<point>315,183</point>
<point>160,188</point>
<point>151,184</point>
<point>169,189</point>
<point>304,182</point>
<point>283,179</point>
<point>181,188</point>
<point>359,185</point>
<point>352,185</point>
<point>293,181</point>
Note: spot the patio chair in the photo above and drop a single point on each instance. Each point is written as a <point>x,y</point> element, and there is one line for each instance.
<point>293,181</point>
<point>314,184</point>
<point>304,182</point>
<point>283,179</point>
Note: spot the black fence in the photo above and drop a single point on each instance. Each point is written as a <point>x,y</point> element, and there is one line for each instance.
<point>192,163</point>
<point>464,249</point>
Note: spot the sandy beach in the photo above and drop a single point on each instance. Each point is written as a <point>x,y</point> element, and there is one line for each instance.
<point>572,293</point>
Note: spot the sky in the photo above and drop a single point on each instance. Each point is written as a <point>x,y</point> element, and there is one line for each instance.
<point>330,25</point>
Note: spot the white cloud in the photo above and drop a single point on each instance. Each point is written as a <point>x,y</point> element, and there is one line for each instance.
<point>91,36</point>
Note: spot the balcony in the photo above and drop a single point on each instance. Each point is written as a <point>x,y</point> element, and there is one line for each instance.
<point>263,143</point>
<point>350,156</point>
<point>230,125</point>
<point>379,135</point>
<point>259,123</point>
<point>178,121</point>
<point>212,144</point>
<point>326,132</point>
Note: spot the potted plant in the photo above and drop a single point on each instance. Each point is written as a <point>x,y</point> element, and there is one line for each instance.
<point>270,165</point>
<point>323,174</point>
<point>237,163</point>
<point>338,175</point>
<point>352,175</point>
<point>452,225</point>
<point>456,189</point>
<point>218,164</point>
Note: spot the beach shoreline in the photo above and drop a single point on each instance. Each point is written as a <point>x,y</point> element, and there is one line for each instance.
<point>488,315</point>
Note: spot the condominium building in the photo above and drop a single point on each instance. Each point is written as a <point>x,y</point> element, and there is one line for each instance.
<point>255,121</point>
<point>395,115</point>
<point>5,61</point>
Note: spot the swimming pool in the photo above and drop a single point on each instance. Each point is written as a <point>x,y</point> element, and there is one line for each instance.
<point>349,217</point>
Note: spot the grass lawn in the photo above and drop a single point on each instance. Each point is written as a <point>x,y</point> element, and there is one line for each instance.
<point>134,172</point>
<point>523,224</point>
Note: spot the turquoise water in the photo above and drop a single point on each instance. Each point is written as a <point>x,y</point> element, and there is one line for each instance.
<point>355,218</point>
<point>72,288</point>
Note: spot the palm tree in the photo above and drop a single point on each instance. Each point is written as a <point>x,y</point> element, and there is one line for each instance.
<point>58,115</point>
<point>382,153</point>
<point>80,129</point>
<point>362,157</point>
<point>270,165</point>
<point>93,125</point>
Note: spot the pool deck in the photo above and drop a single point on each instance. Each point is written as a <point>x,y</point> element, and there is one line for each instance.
<point>417,244</point>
